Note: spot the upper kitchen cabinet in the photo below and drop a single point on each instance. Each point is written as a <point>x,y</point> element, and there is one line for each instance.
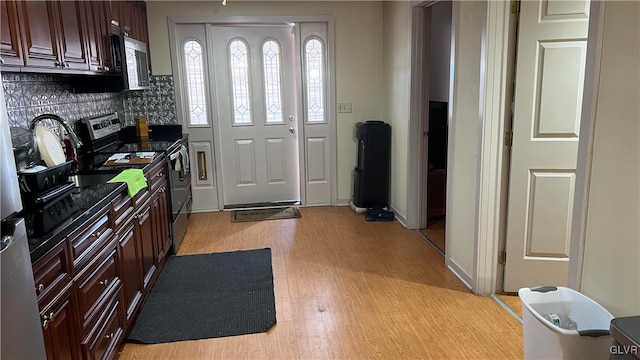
<point>10,36</point>
<point>53,35</point>
<point>130,18</point>
<point>96,14</point>
<point>60,36</point>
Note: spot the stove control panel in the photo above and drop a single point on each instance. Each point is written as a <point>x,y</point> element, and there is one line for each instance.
<point>101,126</point>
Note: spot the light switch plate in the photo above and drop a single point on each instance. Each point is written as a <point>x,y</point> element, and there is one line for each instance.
<point>344,107</point>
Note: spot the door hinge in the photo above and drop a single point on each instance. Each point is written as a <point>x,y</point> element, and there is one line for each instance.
<point>515,6</point>
<point>502,257</point>
<point>508,138</point>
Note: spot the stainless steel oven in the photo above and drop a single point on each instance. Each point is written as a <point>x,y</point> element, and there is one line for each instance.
<point>180,186</point>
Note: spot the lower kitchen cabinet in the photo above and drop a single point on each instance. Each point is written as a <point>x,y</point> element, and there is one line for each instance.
<point>144,237</point>
<point>60,327</point>
<point>92,285</point>
<point>160,220</point>
<point>131,271</point>
<point>103,339</point>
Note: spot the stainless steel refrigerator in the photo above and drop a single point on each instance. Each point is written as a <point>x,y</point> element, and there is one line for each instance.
<point>20,329</point>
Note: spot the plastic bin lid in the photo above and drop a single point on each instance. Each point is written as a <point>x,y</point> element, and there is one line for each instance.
<point>626,330</point>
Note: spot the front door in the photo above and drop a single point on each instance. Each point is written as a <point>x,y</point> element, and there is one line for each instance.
<point>550,68</point>
<point>254,71</point>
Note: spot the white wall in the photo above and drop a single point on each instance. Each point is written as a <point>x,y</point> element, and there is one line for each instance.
<point>397,86</point>
<point>439,51</point>
<point>358,30</point>
<point>611,265</point>
<point>464,132</point>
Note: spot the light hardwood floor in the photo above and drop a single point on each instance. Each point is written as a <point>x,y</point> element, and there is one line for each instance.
<point>513,302</point>
<point>349,289</point>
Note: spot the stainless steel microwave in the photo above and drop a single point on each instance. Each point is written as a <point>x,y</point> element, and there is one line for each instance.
<point>130,59</point>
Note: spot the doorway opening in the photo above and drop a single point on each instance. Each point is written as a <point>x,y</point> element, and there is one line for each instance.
<point>437,43</point>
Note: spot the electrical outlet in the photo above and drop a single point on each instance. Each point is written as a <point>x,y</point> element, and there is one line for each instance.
<point>344,107</point>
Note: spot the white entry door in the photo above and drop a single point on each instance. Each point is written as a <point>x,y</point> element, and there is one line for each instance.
<point>256,111</point>
<point>550,67</point>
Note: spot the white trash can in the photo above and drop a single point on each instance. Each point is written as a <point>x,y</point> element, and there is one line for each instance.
<point>581,329</point>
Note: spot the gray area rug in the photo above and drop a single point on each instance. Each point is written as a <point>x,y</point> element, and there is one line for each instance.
<point>208,296</point>
<point>265,214</point>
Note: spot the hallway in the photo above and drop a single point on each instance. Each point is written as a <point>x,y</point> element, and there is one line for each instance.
<point>346,288</point>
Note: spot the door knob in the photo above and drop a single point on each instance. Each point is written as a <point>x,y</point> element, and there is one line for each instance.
<point>292,130</point>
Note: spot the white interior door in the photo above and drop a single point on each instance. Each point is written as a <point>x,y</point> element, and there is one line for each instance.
<point>550,66</point>
<point>256,110</point>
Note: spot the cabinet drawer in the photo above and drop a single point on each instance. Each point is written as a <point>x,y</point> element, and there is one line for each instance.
<point>51,274</point>
<point>156,175</point>
<point>96,281</point>
<point>89,238</point>
<point>122,209</point>
<point>102,342</point>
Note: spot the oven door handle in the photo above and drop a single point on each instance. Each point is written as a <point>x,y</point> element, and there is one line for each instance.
<point>174,155</point>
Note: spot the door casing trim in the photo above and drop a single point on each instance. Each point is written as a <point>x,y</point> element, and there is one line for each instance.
<point>215,20</point>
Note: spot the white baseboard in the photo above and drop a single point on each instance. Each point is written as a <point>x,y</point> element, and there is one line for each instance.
<point>344,202</point>
<point>399,217</point>
<point>358,210</point>
<point>459,273</point>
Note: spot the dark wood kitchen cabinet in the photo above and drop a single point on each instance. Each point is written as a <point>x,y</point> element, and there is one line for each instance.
<point>60,36</point>
<point>96,14</point>
<point>60,328</point>
<point>159,211</point>
<point>144,234</point>
<point>11,52</point>
<point>92,285</point>
<point>54,35</point>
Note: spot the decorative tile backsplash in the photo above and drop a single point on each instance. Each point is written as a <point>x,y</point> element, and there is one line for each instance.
<point>30,95</point>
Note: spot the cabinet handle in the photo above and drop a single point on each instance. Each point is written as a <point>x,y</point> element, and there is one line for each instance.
<point>57,63</point>
<point>40,288</point>
<point>66,64</point>
<point>109,336</point>
<point>49,317</point>
<point>97,234</point>
<point>45,324</point>
<point>104,282</point>
<point>1,60</point>
<point>106,68</point>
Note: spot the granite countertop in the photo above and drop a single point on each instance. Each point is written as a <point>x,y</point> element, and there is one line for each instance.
<point>82,203</point>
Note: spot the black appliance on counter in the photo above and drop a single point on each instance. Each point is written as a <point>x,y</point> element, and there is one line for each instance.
<point>372,173</point>
<point>104,136</point>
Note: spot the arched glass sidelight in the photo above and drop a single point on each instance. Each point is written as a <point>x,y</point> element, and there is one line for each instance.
<point>240,82</point>
<point>194,76</point>
<point>314,56</point>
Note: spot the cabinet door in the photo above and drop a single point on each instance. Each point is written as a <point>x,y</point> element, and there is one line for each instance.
<point>93,22</point>
<point>126,17</point>
<point>144,236</point>
<point>72,35</point>
<point>40,41</point>
<point>60,328</point>
<point>158,226</point>
<point>115,21</point>
<point>130,260</point>
<point>10,34</point>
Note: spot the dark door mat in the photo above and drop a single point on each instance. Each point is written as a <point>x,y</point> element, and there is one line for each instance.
<point>265,214</point>
<point>209,296</point>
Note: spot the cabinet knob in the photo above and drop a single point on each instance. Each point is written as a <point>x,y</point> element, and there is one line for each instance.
<point>97,234</point>
<point>45,324</point>
<point>66,64</point>
<point>1,60</point>
<point>109,336</point>
<point>104,282</point>
<point>106,68</point>
<point>57,63</point>
<point>40,288</point>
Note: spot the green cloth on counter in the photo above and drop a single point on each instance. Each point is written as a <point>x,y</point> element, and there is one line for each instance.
<point>134,178</point>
